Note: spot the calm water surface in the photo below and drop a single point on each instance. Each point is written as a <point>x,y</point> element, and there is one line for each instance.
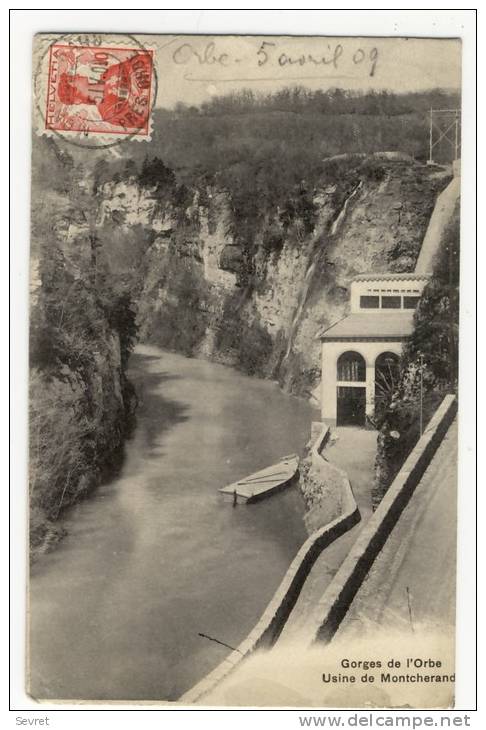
<point>156,556</point>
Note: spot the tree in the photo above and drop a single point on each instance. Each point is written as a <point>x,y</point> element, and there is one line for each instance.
<point>156,174</point>
<point>428,369</point>
<point>436,321</point>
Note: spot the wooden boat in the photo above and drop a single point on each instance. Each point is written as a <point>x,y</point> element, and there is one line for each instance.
<point>262,483</point>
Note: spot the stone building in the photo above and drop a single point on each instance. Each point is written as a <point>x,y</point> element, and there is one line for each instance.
<point>360,353</point>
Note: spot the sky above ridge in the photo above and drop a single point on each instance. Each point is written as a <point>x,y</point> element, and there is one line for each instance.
<point>193,69</point>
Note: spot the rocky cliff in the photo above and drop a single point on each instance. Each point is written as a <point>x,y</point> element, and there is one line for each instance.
<point>256,302</point>
<point>81,332</point>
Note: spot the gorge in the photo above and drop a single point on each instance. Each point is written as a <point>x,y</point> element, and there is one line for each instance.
<point>229,245</point>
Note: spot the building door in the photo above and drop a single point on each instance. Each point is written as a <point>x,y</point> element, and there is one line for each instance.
<point>351,399</point>
<point>351,406</point>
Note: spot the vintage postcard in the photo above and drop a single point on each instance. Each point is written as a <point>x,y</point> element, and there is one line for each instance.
<point>244,314</point>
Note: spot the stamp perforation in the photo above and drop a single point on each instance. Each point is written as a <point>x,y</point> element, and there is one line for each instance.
<point>114,99</point>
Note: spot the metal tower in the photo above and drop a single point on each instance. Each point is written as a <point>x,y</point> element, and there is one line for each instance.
<point>444,125</point>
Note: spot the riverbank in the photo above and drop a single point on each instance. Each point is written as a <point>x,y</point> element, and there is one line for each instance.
<point>155,557</point>
<point>78,426</point>
<point>287,621</point>
<point>354,451</point>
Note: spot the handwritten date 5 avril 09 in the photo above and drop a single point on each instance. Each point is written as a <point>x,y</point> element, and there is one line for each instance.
<point>271,54</point>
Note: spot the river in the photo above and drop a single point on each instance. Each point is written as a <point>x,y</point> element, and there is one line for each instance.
<point>155,556</point>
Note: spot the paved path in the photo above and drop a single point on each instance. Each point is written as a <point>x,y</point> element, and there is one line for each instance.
<point>354,451</point>
<point>412,582</point>
<point>419,553</point>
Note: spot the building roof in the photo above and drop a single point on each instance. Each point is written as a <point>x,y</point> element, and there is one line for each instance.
<point>391,277</point>
<point>371,325</point>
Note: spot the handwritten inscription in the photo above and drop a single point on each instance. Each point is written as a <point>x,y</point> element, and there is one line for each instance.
<point>271,55</point>
<point>206,57</point>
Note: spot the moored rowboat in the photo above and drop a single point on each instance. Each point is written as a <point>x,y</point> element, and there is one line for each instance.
<point>262,483</point>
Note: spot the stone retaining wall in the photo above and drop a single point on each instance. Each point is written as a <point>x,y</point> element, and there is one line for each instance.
<point>336,493</point>
<point>347,581</point>
<point>270,625</point>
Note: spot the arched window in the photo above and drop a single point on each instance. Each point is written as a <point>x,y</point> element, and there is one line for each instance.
<point>351,366</point>
<point>386,377</point>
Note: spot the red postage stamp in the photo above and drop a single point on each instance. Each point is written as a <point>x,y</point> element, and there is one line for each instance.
<point>96,90</point>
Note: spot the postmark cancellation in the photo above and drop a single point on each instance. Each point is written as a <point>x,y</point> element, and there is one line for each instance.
<point>92,93</point>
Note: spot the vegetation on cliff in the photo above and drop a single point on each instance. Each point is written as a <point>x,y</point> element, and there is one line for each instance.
<point>259,211</point>
<point>430,357</point>
<point>82,331</point>
<point>270,152</point>
<point>232,236</point>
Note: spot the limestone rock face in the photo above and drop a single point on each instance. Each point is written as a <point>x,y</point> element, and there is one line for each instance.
<point>258,304</point>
